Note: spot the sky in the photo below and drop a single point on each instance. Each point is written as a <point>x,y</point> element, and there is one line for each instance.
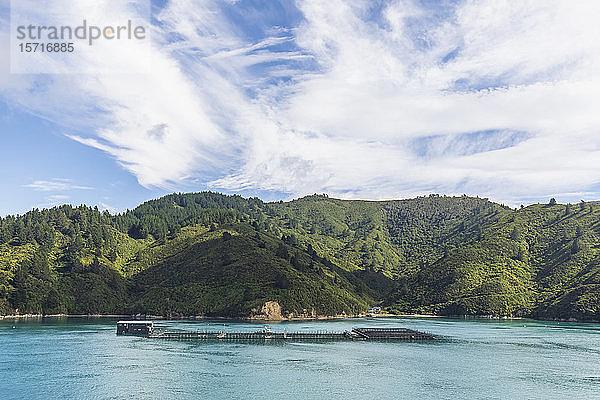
<point>280,99</point>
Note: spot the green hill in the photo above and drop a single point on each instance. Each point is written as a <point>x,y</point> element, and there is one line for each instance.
<point>216,255</point>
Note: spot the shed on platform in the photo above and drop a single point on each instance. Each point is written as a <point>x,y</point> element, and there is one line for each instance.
<point>140,328</point>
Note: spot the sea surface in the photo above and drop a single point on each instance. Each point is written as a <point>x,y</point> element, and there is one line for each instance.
<point>82,358</point>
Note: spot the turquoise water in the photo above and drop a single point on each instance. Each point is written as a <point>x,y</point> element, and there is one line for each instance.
<point>477,359</point>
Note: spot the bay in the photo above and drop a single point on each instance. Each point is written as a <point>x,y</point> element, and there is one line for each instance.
<point>82,358</point>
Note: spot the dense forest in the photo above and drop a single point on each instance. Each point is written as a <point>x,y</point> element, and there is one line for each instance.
<point>215,255</point>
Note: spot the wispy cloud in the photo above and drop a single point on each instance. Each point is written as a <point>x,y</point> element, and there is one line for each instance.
<point>56,185</point>
<point>386,84</point>
<point>57,197</point>
<point>53,200</point>
<point>496,98</point>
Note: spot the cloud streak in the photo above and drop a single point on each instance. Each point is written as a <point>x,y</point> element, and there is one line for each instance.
<point>56,185</point>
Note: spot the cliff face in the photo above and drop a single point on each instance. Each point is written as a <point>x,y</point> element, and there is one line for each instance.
<point>270,311</point>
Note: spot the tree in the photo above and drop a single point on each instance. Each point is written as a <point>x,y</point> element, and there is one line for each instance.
<point>62,223</point>
<point>40,267</point>
<point>95,266</point>
<point>281,281</point>
<point>522,254</point>
<point>577,246</point>
<point>77,244</point>
<point>552,201</point>
<point>297,263</point>
<point>5,233</point>
<point>138,231</point>
<point>515,234</point>
<point>292,240</point>
<point>21,233</point>
<point>96,234</point>
<point>282,252</point>
<point>311,251</point>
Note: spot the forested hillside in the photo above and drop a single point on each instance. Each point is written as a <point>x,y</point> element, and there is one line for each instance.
<point>216,255</point>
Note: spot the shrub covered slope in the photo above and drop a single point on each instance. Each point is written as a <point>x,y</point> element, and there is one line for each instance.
<point>216,255</point>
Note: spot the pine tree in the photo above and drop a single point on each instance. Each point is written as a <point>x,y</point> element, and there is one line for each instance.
<point>282,252</point>
<point>515,234</point>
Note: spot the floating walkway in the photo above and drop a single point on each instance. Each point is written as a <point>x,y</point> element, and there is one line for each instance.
<point>266,334</point>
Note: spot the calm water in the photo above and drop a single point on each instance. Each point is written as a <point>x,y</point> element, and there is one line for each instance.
<point>478,359</point>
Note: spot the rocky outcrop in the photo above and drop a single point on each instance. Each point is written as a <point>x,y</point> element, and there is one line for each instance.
<point>270,311</point>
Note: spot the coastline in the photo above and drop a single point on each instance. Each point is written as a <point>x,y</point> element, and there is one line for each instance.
<point>39,316</point>
<point>289,319</point>
<point>193,317</point>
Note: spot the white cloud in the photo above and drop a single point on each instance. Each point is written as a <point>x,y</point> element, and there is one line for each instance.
<point>57,197</point>
<point>124,109</point>
<point>379,91</point>
<point>361,93</point>
<point>56,185</point>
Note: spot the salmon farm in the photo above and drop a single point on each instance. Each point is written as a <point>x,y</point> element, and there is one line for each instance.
<point>146,329</point>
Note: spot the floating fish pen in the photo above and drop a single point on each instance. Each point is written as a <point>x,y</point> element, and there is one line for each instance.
<point>378,334</point>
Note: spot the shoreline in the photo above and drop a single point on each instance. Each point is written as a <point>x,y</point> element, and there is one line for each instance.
<point>293,319</point>
<point>199,317</point>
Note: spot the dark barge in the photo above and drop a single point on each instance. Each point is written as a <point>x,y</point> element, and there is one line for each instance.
<point>378,334</point>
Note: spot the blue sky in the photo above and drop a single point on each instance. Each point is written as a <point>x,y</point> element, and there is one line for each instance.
<point>42,167</point>
<point>359,99</point>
